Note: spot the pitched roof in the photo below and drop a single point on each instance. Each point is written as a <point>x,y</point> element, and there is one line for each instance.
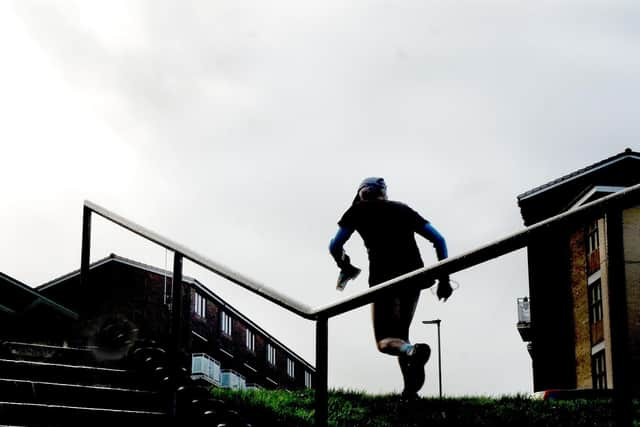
<point>627,153</point>
<point>18,297</point>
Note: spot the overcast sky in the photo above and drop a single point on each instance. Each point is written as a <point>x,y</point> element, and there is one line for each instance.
<point>241,129</point>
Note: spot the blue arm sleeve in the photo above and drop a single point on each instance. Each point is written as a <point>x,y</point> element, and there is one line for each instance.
<point>336,246</point>
<point>432,235</point>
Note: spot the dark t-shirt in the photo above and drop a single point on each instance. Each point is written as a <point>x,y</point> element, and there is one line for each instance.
<point>387,229</point>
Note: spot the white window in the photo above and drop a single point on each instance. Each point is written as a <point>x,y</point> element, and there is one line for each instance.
<point>200,305</point>
<point>250,340</point>
<point>307,379</point>
<point>225,323</point>
<point>291,368</point>
<point>593,241</point>
<point>271,354</point>
<point>599,370</point>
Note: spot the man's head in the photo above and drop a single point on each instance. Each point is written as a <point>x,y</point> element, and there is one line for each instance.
<point>372,188</point>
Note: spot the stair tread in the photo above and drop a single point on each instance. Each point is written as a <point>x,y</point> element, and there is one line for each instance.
<point>81,408</point>
<point>79,367</point>
<point>92,387</point>
<point>49,346</point>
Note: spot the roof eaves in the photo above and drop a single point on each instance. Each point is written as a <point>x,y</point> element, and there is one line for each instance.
<point>117,258</point>
<point>580,172</point>
<point>39,297</point>
<point>241,316</point>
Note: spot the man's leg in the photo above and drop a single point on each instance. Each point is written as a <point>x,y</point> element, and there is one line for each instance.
<point>390,326</point>
<point>391,321</point>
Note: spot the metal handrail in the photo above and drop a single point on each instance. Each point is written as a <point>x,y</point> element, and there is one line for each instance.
<point>450,265</point>
<point>614,202</point>
<point>233,276</point>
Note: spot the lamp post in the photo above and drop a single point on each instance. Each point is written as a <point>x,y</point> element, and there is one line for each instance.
<point>437,323</point>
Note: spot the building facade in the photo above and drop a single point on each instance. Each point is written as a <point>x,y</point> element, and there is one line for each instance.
<point>226,348</point>
<point>567,317</point>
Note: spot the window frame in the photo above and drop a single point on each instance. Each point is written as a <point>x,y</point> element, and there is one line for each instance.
<point>596,313</point>
<point>593,238</point>
<point>226,324</point>
<point>291,368</point>
<point>200,305</point>
<point>250,340</point>
<point>307,379</point>
<point>599,370</point>
<point>271,355</point>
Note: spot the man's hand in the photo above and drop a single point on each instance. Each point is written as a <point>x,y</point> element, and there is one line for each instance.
<point>444,289</point>
<point>348,272</point>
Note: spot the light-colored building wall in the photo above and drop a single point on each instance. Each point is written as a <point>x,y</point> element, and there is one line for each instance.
<point>631,242</point>
<point>604,281</point>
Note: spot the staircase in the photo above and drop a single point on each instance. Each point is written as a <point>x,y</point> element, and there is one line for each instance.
<point>42,385</point>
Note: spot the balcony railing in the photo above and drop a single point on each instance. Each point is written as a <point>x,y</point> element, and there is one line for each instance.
<point>524,311</point>
<point>203,367</point>
<point>524,318</point>
<point>611,206</point>
<point>232,379</point>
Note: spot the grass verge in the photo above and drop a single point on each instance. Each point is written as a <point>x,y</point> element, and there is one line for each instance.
<point>350,409</point>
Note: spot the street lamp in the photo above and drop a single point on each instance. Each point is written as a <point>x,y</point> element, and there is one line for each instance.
<point>437,323</point>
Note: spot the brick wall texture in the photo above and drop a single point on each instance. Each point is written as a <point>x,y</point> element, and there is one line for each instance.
<point>579,293</point>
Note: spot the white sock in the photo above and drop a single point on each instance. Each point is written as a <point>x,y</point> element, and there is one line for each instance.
<point>407,349</point>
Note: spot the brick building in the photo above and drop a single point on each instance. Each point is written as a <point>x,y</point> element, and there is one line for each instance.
<point>226,348</point>
<point>566,319</point>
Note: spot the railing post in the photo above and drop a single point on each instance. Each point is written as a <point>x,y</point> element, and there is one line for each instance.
<point>85,249</point>
<point>622,399</point>
<point>321,392</point>
<point>175,340</point>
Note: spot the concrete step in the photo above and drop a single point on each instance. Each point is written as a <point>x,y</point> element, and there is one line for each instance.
<point>56,354</point>
<point>70,374</point>
<point>72,394</point>
<point>40,415</point>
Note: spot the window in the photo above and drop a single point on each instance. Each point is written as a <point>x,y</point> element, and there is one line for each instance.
<point>225,323</point>
<point>307,379</point>
<point>200,305</point>
<point>250,340</point>
<point>595,302</point>
<point>593,241</point>
<point>599,370</point>
<point>592,248</point>
<point>291,368</point>
<point>271,355</point>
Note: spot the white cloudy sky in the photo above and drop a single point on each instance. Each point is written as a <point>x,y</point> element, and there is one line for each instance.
<point>241,129</point>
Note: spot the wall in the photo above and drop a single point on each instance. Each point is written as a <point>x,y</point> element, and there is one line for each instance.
<point>579,293</point>
<point>552,346</point>
<point>631,241</point>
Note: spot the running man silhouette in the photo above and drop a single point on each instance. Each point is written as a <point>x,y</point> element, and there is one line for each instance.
<point>388,230</point>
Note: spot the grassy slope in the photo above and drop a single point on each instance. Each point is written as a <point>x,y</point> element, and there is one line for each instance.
<point>284,408</point>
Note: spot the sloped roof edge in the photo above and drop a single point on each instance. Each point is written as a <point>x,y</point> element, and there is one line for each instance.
<point>39,297</point>
<point>627,153</point>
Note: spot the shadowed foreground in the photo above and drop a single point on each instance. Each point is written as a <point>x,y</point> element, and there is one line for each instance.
<point>286,408</point>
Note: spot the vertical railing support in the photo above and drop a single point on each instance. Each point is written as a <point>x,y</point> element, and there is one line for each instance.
<point>175,339</point>
<point>622,399</point>
<point>85,249</point>
<point>321,391</point>
<point>439,361</point>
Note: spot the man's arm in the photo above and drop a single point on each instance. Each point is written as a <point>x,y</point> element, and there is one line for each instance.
<point>431,234</point>
<point>336,247</point>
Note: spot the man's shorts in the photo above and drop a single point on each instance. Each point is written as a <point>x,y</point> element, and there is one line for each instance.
<point>393,314</point>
